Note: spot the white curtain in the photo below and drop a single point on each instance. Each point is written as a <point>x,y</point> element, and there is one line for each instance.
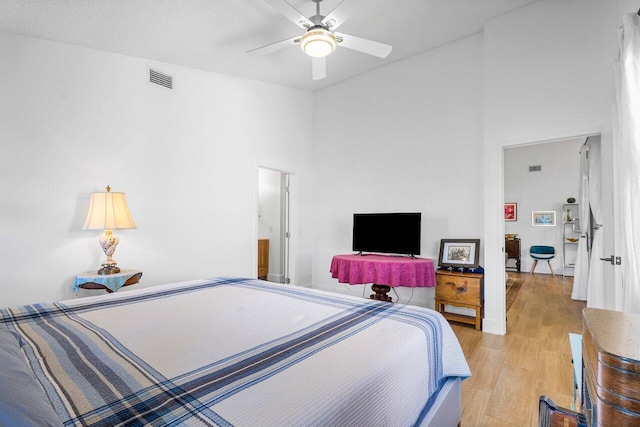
<point>627,152</point>
<point>596,286</point>
<point>581,271</point>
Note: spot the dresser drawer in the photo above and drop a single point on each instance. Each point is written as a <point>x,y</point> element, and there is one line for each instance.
<point>611,368</point>
<point>458,288</point>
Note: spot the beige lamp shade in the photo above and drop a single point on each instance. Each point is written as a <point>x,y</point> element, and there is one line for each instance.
<point>108,211</point>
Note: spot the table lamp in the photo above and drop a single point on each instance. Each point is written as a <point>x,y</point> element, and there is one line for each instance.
<point>108,211</point>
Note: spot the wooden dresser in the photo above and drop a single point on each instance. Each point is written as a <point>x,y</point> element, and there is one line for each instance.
<point>611,368</point>
<point>460,290</point>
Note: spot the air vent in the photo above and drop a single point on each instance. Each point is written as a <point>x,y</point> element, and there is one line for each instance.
<point>160,79</point>
<point>537,168</point>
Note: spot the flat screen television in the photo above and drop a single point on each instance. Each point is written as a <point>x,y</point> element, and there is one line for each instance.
<point>393,233</point>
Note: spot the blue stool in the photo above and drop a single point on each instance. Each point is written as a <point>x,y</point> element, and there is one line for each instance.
<point>542,253</point>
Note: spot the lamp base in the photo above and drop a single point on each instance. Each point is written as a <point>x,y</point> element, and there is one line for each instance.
<point>109,269</point>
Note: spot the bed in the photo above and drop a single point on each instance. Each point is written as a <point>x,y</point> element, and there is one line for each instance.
<point>228,351</point>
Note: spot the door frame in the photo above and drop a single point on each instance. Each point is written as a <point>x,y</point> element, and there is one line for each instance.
<point>495,320</point>
<point>286,214</point>
<point>524,249</point>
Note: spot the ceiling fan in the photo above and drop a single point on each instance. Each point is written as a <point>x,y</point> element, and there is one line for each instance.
<point>320,38</point>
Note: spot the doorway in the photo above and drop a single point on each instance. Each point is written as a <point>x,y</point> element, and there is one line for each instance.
<point>273,225</point>
<point>542,177</point>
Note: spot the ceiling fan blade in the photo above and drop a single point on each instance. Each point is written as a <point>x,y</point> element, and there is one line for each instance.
<point>370,47</point>
<point>290,12</point>
<point>318,68</point>
<point>341,13</point>
<point>275,46</point>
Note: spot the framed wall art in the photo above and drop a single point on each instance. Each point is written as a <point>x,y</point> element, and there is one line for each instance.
<point>460,253</point>
<point>510,211</point>
<point>543,218</point>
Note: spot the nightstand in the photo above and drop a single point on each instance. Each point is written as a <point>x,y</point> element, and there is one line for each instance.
<point>460,290</point>
<point>108,282</point>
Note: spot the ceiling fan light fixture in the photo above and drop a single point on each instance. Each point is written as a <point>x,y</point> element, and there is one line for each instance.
<point>318,42</point>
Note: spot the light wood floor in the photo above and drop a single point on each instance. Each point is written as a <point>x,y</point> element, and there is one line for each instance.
<point>510,372</point>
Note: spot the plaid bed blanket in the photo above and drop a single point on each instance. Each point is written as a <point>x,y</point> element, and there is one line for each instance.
<point>231,351</point>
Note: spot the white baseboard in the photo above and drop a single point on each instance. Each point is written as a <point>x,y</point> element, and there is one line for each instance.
<point>278,278</point>
<point>493,326</point>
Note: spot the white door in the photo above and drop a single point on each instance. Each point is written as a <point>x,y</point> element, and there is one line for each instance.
<point>605,274</point>
<point>612,236</point>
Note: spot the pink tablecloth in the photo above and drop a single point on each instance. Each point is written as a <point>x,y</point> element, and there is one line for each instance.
<point>383,270</point>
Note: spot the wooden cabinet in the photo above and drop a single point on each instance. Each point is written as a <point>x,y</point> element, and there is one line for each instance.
<point>611,368</point>
<point>263,259</point>
<point>460,290</point>
<point>512,248</point>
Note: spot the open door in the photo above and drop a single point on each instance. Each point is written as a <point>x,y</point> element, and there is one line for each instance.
<point>601,288</point>
<point>599,279</point>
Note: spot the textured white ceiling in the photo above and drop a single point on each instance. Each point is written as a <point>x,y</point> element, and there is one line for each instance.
<point>215,34</point>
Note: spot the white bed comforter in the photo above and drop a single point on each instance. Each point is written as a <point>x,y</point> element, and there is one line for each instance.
<point>242,352</point>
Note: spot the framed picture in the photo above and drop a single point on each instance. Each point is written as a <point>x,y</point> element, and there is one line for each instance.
<point>461,253</point>
<point>510,211</point>
<point>543,218</point>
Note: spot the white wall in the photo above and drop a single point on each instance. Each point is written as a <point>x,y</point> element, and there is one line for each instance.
<point>547,75</point>
<point>383,141</point>
<point>404,138</point>
<point>73,120</point>
<point>386,139</point>
<point>545,190</point>
<point>548,69</point>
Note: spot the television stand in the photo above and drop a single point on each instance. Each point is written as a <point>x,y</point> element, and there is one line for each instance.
<point>384,272</point>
